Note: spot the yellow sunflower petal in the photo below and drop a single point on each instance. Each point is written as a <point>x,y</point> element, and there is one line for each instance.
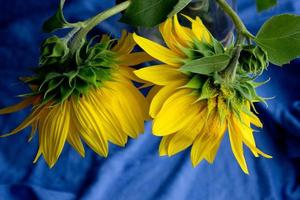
<point>167,31</point>
<point>157,51</point>
<point>186,136</point>
<point>163,146</point>
<point>134,58</point>
<point>162,95</point>
<point>55,132</point>
<point>23,104</point>
<point>34,126</point>
<point>253,148</point>
<point>218,133</point>
<point>209,137</point>
<point>128,72</point>
<point>27,122</point>
<point>120,41</point>
<point>152,93</point>
<point>201,31</point>
<point>128,104</point>
<point>125,45</point>
<point>171,118</point>
<point>237,145</point>
<point>246,130</point>
<point>40,124</point>
<point>89,127</point>
<point>184,34</point>
<point>74,138</point>
<point>160,74</point>
<point>255,120</point>
<point>210,156</point>
<point>111,128</point>
<point>38,155</point>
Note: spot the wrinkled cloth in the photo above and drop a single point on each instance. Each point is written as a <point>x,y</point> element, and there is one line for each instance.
<point>137,172</point>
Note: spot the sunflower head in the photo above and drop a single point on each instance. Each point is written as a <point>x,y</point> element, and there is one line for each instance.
<point>195,98</point>
<point>87,94</point>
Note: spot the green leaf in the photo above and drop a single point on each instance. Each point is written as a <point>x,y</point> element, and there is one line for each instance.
<point>148,13</point>
<point>58,21</point>
<point>280,38</point>
<point>262,5</point>
<point>207,65</point>
<point>179,6</point>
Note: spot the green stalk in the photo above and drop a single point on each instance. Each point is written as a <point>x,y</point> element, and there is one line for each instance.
<point>240,27</point>
<point>79,37</point>
<point>242,34</point>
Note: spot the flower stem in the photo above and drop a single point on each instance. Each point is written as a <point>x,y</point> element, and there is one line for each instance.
<point>79,37</point>
<point>240,27</point>
<point>242,34</point>
<point>230,71</point>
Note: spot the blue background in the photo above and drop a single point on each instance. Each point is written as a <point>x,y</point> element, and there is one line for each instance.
<point>137,172</point>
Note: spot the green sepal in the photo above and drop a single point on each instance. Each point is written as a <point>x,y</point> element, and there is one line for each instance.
<point>247,91</point>
<point>203,48</point>
<point>71,76</point>
<point>30,94</point>
<point>208,91</point>
<point>102,74</point>
<point>196,82</point>
<point>258,84</point>
<point>49,77</point>
<point>82,86</point>
<point>52,85</point>
<point>87,74</point>
<point>218,47</point>
<point>222,108</point>
<point>65,92</point>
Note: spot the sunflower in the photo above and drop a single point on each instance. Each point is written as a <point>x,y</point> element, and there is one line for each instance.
<point>192,109</point>
<point>89,97</point>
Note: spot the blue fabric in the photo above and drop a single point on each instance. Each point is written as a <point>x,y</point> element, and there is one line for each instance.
<point>137,172</point>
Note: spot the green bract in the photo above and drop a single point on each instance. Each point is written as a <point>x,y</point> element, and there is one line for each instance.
<point>241,90</point>
<point>208,66</point>
<point>62,74</point>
